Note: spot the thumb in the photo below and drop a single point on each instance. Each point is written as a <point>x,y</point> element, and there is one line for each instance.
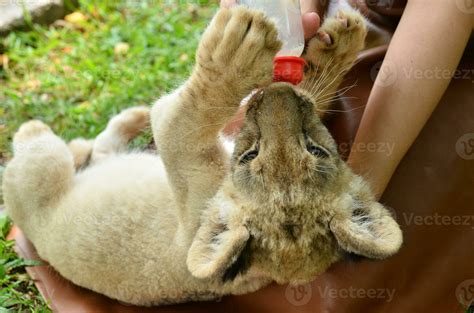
<point>311,23</point>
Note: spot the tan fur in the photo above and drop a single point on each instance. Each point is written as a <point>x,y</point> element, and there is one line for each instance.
<point>196,223</point>
<point>120,130</point>
<point>81,150</point>
<point>329,61</point>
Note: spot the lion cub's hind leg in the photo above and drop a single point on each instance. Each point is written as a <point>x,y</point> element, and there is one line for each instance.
<point>122,128</point>
<point>81,150</point>
<point>39,174</point>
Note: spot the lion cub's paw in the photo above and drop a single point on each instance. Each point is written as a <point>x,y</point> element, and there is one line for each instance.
<point>81,149</point>
<point>30,130</point>
<point>130,122</point>
<point>341,36</point>
<point>238,46</point>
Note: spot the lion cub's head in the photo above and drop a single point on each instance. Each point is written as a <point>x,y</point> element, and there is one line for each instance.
<point>290,207</point>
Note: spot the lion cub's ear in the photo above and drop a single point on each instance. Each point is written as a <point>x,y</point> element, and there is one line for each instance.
<point>218,247</point>
<point>367,229</point>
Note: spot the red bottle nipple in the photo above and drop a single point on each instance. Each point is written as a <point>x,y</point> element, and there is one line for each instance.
<point>288,69</point>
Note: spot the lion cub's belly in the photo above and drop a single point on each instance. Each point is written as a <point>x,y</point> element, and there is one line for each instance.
<point>117,221</point>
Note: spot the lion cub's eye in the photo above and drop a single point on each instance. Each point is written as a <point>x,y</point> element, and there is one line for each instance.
<point>317,151</point>
<point>248,156</point>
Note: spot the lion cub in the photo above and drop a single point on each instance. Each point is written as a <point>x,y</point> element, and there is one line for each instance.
<point>195,222</point>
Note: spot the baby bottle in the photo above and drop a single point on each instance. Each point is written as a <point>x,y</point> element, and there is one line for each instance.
<point>286,14</point>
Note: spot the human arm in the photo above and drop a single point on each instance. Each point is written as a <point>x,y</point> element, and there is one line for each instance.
<point>401,102</point>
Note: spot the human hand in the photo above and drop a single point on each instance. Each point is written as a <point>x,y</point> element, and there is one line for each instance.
<point>311,20</point>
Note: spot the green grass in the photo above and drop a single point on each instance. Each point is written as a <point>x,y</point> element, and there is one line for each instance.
<point>69,76</point>
<point>17,291</point>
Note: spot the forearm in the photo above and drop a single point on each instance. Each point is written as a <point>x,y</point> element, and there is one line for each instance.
<point>411,82</point>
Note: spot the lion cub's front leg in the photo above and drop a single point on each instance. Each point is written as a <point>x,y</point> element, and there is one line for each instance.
<point>332,53</point>
<point>235,55</point>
